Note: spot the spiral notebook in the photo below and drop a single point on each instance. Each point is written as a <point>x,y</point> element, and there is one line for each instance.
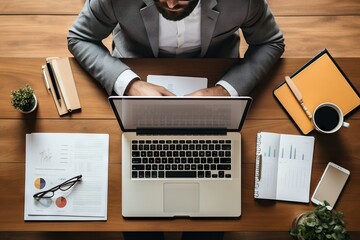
<point>283,166</point>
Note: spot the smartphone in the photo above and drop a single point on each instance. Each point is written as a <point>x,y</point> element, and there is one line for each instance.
<point>330,185</point>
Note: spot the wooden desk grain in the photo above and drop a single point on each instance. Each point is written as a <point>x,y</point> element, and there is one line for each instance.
<point>305,36</point>
<point>97,117</point>
<point>278,7</point>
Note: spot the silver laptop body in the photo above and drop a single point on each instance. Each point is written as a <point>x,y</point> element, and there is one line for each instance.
<point>191,141</point>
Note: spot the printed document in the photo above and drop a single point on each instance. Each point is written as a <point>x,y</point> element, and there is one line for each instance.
<point>53,158</point>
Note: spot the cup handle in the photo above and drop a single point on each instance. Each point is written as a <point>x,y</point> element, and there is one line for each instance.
<point>346,124</point>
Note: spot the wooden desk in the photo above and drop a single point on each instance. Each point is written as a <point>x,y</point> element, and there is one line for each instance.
<point>97,117</point>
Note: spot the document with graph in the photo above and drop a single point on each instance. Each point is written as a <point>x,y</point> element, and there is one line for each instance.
<point>66,176</point>
<point>283,166</point>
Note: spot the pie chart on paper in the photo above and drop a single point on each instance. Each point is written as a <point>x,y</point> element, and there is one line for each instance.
<point>40,183</point>
<point>60,202</point>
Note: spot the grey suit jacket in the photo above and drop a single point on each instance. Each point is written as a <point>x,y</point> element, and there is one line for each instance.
<point>135,28</point>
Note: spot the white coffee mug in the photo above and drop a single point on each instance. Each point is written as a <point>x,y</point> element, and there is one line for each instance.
<point>328,118</point>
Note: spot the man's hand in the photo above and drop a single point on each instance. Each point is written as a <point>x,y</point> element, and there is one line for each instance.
<point>141,88</point>
<point>213,91</point>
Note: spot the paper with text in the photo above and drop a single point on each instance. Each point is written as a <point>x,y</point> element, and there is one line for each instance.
<point>51,159</point>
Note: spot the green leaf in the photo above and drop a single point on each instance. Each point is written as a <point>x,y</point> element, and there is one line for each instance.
<point>338,229</point>
<point>311,223</point>
<point>318,229</point>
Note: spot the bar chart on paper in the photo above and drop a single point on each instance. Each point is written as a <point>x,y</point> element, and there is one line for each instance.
<point>285,147</point>
<point>283,166</point>
<point>296,148</point>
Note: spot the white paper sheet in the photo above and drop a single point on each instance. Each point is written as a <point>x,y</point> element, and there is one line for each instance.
<point>52,158</point>
<point>178,85</point>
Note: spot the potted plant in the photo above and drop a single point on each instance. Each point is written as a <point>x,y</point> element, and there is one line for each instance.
<point>24,99</point>
<point>321,223</point>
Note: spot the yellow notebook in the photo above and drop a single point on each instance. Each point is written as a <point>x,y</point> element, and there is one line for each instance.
<point>320,80</point>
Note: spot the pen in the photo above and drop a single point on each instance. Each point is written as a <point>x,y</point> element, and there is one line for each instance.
<point>298,95</point>
<point>54,83</point>
<point>45,78</point>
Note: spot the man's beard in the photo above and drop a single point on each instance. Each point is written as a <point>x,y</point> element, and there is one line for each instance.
<point>180,13</point>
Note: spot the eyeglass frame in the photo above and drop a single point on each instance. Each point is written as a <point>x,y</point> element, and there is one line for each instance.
<point>71,182</point>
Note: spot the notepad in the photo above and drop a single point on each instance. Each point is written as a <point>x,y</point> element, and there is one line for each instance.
<point>320,80</point>
<point>283,166</point>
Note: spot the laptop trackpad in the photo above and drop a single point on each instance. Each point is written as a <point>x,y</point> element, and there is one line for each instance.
<point>181,197</point>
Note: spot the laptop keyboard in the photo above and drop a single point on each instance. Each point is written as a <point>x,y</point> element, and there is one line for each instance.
<point>159,159</point>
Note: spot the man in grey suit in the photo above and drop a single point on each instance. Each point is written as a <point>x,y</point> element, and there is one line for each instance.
<point>175,28</point>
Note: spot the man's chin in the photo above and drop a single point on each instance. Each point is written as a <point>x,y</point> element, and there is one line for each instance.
<point>174,16</point>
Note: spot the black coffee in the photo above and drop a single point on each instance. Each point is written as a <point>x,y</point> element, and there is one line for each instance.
<point>326,118</point>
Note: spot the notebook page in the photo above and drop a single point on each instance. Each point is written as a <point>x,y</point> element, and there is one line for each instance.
<point>294,169</point>
<point>266,184</point>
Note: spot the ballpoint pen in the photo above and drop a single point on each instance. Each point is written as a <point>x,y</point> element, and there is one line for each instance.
<point>54,83</point>
<point>298,95</point>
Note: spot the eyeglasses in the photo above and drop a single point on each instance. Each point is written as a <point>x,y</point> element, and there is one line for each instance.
<point>63,187</point>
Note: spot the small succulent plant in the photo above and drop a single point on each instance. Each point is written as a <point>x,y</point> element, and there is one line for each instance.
<point>23,99</point>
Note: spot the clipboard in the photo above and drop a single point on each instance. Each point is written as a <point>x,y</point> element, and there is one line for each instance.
<point>59,81</point>
<point>319,80</point>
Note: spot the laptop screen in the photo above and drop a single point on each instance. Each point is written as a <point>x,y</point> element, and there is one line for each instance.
<point>135,113</point>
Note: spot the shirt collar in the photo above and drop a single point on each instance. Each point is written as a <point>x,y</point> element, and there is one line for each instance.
<point>196,10</point>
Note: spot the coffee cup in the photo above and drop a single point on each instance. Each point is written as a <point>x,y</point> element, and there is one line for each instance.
<point>328,118</point>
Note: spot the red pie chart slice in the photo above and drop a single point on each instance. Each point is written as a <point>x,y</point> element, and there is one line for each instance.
<point>60,202</point>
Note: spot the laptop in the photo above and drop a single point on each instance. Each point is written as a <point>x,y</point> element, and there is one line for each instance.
<point>181,156</point>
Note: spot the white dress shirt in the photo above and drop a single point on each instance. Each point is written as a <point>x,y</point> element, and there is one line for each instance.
<point>181,36</point>
<point>175,37</point>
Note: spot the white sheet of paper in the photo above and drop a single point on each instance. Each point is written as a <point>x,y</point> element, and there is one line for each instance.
<point>178,85</point>
<point>52,158</point>
<point>294,168</point>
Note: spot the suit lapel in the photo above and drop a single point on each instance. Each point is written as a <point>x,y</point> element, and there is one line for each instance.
<point>150,17</point>
<point>208,21</point>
